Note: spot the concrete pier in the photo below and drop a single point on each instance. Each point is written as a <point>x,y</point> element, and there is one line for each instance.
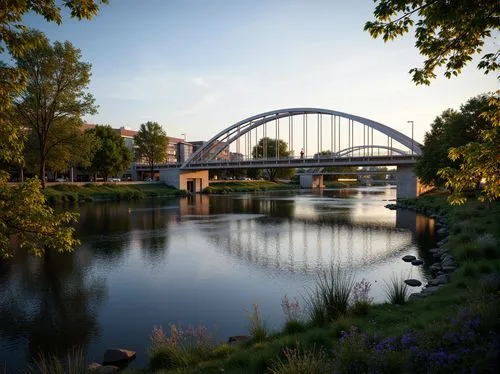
<point>191,181</point>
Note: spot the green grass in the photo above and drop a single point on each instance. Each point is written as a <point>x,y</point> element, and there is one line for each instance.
<point>246,186</point>
<point>68,193</point>
<point>372,340</point>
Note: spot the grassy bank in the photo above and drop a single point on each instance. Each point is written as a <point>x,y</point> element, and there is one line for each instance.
<point>454,330</point>
<point>246,186</point>
<point>68,193</point>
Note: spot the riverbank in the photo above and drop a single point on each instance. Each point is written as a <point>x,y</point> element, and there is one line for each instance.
<point>246,186</point>
<point>70,193</point>
<point>455,329</point>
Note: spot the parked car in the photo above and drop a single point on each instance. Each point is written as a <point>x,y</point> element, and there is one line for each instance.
<point>60,180</point>
<point>112,179</point>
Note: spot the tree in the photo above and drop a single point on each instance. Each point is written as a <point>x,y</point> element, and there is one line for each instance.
<point>112,157</point>
<point>273,148</point>
<point>447,32</point>
<point>23,210</point>
<point>451,129</point>
<point>54,98</point>
<point>480,161</point>
<point>151,144</point>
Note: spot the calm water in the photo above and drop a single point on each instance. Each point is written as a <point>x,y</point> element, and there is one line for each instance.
<point>201,260</point>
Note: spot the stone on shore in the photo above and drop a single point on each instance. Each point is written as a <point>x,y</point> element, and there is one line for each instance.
<point>417,262</point>
<point>413,282</point>
<point>118,356</point>
<point>238,339</point>
<point>409,258</point>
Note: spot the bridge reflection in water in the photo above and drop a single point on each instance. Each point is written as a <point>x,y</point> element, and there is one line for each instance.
<point>286,235</point>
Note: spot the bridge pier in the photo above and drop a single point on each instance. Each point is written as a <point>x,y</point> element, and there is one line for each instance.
<point>191,181</point>
<point>311,181</point>
<point>408,184</point>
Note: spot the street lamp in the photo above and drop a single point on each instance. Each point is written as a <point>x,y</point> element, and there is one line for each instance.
<point>411,135</point>
<point>184,137</point>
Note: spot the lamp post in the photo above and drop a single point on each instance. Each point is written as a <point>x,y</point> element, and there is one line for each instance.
<point>411,136</point>
<point>184,137</point>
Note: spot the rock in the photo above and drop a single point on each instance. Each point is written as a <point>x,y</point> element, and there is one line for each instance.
<point>448,262</point>
<point>238,339</point>
<point>408,258</point>
<point>435,266</point>
<point>118,356</point>
<point>417,262</point>
<point>443,278</point>
<point>442,231</point>
<point>391,206</point>
<point>430,290</point>
<point>413,282</point>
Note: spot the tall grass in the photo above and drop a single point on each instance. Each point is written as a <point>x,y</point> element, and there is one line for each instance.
<point>179,349</point>
<point>257,327</point>
<point>298,361</point>
<point>396,290</point>
<point>329,298</point>
<point>73,363</point>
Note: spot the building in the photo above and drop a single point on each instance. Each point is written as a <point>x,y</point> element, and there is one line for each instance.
<point>220,148</point>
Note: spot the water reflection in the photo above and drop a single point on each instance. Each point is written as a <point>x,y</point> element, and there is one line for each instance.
<point>49,304</point>
<point>156,261</point>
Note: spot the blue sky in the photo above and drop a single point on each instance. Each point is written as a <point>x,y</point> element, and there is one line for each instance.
<point>198,66</point>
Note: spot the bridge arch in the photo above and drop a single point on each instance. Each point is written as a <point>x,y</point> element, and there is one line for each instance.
<point>247,129</point>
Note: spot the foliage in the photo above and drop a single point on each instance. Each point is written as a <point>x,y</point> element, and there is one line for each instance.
<point>479,160</point>
<point>181,348</point>
<point>257,327</point>
<point>335,169</point>
<point>451,129</point>
<point>27,221</point>
<point>293,315</point>
<point>329,299</point>
<point>299,361</point>
<point>151,144</point>
<point>273,149</point>
<point>112,157</point>
<point>447,33</point>
<point>396,290</point>
<point>361,300</point>
<point>16,41</point>
<point>54,98</point>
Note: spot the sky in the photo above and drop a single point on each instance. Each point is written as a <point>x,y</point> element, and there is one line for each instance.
<point>199,66</point>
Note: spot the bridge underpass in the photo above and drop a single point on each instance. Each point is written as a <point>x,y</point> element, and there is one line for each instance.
<point>325,138</point>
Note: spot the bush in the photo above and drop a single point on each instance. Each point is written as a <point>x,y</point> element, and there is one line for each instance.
<point>330,297</point>
<point>396,290</point>
<point>73,363</point>
<point>181,349</point>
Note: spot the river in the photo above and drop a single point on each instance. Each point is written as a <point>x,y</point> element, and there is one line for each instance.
<point>201,260</point>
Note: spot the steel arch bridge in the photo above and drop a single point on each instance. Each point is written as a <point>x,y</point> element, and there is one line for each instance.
<point>325,138</point>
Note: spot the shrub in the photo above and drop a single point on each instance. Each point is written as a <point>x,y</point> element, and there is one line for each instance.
<point>257,328</point>
<point>469,251</point>
<point>396,290</point>
<point>181,348</point>
<point>360,298</point>
<point>293,327</point>
<point>298,361</point>
<point>330,297</point>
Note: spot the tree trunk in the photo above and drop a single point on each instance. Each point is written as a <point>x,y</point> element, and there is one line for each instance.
<point>152,167</point>
<point>42,169</point>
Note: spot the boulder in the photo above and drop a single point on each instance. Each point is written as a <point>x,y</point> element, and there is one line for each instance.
<point>118,356</point>
<point>417,262</point>
<point>430,289</point>
<point>408,258</point>
<point>413,282</point>
<point>108,369</point>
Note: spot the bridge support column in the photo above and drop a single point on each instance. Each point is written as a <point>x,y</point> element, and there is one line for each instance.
<point>191,181</point>
<point>406,182</point>
<point>311,181</point>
